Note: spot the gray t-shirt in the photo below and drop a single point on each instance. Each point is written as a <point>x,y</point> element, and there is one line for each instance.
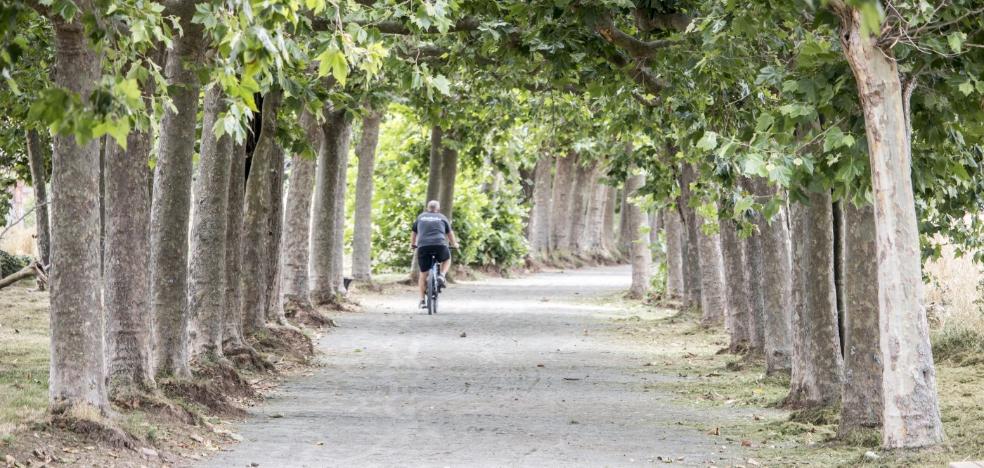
<point>432,229</point>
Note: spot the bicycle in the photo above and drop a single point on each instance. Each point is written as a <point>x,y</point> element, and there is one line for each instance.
<point>433,286</point>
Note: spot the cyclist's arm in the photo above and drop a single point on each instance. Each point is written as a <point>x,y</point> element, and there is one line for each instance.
<point>452,239</point>
<point>413,239</point>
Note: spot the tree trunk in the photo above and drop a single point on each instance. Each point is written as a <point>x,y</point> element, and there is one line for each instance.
<point>539,226</point>
<point>362,230</point>
<point>171,206</point>
<point>449,172</point>
<point>640,254</point>
<point>232,322</point>
<point>274,312</point>
<point>754,286</point>
<point>595,221</point>
<point>206,275</point>
<point>608,223</point>
<point>911,415</point>
<point>36,152</point>
<point>580,204</point>
<point>861,405</point>
<point>776,279</point>
<point>77,370</point>
<point>691,257</point>
<point>674,251</point>
<point>126,292</point>
<point>563,188</point>
<point>324,278</point>
<point>436,157</point>
<point>341,186</point>
<point>713,297</point>
<point>738,320</point>
<point>294,253</point>
<point>624,237</point>
<point>258,206</point>
<point>816,360</point>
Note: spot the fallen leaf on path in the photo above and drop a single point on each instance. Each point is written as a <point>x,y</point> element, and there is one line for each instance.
<point>463,334</point>
<point>540,365</point>
<point>753,462</point>
<point>746,443</point>
<point>716,431</point>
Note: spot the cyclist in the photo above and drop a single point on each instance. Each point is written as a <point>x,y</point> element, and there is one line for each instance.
<point>431,236</point>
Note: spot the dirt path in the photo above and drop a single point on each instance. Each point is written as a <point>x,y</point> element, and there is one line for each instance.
<point>539,380</point>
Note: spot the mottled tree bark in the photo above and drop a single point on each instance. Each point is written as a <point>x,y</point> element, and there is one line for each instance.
<point>77,370</point>
<point>563,191</point>
<point>324,276</point>
<point>232,322</point>
<point>738,320</point>
<point>257,210</point>
<point>362,230</point>
<point>275,222</point>
<point>341,186</point>
<point>674,251</point>
<point>691,257</point>
<point>861,404</point>
<point>640,255</point>
<point>754,286</point>
<point>294,253</point>
<point>449,172</point>
<point>126,292</point>
<point>539,230</point>
<point>171,205</point>
<point>595,221</point>
<point>206,274</point>
<point>580,205</point>
<point>624,237</point>
<point>608,223</point>
<point>776,292</point>
<point>36,152</point>
<point>911,414</point>
<point>713,297</point>
<point>816,360</point>
<point>436,157</point>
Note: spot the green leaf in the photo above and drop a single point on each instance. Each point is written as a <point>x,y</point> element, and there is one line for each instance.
<point>764,122</point>
<point>708,142</point>
<point>967,87</point>
<point>956,40</point>
<point>441,84</point>
<point>333,61</point>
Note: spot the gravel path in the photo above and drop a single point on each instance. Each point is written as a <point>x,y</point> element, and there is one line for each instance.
<point>538,380</point>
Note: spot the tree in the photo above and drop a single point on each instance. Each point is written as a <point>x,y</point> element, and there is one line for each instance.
<point>325,267</point>
<point>171,202</point>
<point>36,155</point>
<point>539,221</point>
<point>77,375</point>
<point>640,254</point>
<point>362,231</point>
<point>294,251</point>
<point>912,415</point>
<point>206,275</point>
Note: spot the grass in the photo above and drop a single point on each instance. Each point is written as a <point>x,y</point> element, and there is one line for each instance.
<point>23,355</point>
<point>778,437</point>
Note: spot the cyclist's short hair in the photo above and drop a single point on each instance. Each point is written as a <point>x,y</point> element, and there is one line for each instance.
<point>433,206</point>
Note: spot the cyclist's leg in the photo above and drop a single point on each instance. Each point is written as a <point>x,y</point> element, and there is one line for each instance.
<point>446,263</point>
<point>422,284</point>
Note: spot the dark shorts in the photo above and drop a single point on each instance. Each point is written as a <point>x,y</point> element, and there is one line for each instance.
<point>424,253</point>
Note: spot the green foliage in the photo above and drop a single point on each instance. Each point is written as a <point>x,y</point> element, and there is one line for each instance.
<point>10,264</point>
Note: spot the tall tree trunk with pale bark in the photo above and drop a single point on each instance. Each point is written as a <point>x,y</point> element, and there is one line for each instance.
<point>691,254</point>
<point>911,414</point>
<point>206,275</point>
<point>640,255</point>
<point>171,205</point>
<point>776,278</point>
<point>608,240</point>
<point>341,186</point>
<point>674,227</point>
<point>539,231</point>
<point>362,229</point>
<point>274,312</point>
<point>580,205</point>
<point>126,291</point>
<point>738,320</point>
<point>36,151</point>
<point>816,362</point>
<point>77,369</point>
<point>232,321</point>
<point>324,275</point>
<point>257,209</point>
<point>861,403</point>
<point>562,196</point>
<point>449,172</point>
<point>713,295</point>
<point>294,252</point>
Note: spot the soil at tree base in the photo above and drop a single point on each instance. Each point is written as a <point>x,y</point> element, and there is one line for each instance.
<point>511,372</point>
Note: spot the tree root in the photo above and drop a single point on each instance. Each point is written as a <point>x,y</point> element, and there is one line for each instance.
<point>151,401</point>
<point>245,357</point>
<point>289,342</point>
<point>88,421</point>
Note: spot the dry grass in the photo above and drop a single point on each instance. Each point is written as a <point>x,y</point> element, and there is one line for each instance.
<point>953,294</point>
<point>23,355</point>
<point>19,240</point>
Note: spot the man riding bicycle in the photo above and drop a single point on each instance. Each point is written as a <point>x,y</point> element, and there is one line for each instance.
<point>431,235</point>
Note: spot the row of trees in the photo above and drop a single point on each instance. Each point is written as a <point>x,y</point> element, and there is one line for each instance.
<point>735,130</point>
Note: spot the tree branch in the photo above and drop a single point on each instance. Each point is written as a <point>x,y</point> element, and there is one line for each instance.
<point>637,48</point>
